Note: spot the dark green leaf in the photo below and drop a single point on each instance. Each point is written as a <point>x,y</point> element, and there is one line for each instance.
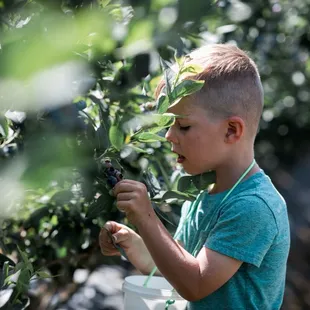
<point>23,281</point>
<point>202,181</point>
<point>186,185</point>
<point>36,216</point>
<point>23,255</point>
<point>103,204</point>
<point>62,197</point>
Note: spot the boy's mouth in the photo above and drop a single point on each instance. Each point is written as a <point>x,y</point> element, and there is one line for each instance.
<point>180,159</point>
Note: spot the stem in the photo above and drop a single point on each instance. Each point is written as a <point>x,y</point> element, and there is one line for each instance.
<point>165,175</point>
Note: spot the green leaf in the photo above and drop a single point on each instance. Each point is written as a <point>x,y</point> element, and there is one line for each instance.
<point>54,220</point>
<point>178,195</point>
<point>62,197</point>
<point>26,261</point>
<point>43,275</point>
<point>61,252</point>
<point>202,181</point>
<point>137,149</point>
<point>193,184</point>
<point>23,281</point>
<point>185,88</point>
<point>4,127</point>
<point>23,255</point>
<point>186,185</point>
<point>5,273</point>
<point>146,137</point>
<point>102,204</point>
<point>116,136</point>
<point>166,120</point>
<point>163,104</point>
<point>169,76</point>
<point>191,68</point>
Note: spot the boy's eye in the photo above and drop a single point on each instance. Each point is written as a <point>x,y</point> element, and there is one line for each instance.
<point>184,128</point>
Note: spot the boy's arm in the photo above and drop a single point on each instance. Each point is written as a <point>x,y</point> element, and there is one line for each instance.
<point>234,235</point>
<point>141,258</point>
<point>193,278</point>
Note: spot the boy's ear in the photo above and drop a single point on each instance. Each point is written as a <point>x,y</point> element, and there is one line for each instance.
<point>234,129</point>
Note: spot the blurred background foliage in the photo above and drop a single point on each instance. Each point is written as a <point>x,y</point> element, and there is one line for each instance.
<point>77,79</point>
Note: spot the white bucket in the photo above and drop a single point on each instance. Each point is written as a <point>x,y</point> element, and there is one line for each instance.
<point>152,297</point>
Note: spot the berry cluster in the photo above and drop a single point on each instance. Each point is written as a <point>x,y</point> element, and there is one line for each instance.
<point>113,175</point>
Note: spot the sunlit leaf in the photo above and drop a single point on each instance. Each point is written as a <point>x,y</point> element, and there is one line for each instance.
<point>149,137</point>
<point>116,136</point>
<point>163,104</point>
<point>185,88</point>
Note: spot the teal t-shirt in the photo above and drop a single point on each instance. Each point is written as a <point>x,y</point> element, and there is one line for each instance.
<point>251,225</point>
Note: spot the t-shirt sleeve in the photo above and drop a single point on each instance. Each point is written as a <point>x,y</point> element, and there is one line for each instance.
<point>245,230</point>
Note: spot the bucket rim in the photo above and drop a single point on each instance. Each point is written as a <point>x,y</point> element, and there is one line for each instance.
<point>147,291</point>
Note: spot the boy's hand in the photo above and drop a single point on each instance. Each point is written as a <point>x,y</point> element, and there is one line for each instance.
<point>131,243</point>
<point>132,198</point>
<point>121,234</point>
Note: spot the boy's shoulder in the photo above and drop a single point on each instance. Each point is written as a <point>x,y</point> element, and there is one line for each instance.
<point>261,194</point>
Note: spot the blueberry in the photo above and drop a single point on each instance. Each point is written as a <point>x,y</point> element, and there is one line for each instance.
<point>118,175</point>
<point>112,181</point>
<point>81,105</point>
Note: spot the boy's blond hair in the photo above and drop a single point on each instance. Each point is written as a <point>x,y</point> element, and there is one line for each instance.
<point>232,84</point>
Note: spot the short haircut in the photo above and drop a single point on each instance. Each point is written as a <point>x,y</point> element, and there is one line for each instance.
<point>232,84</point>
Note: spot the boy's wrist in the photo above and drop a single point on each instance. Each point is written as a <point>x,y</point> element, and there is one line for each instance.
<point>146,221</point>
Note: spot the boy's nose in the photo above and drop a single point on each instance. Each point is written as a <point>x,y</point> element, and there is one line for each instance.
<point>170,135</point>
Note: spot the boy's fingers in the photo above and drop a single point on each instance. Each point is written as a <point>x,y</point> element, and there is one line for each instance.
<point>123,205</point>
<point>111,252</point>
<point>124,196</point>
<point>121,236</point>
<point>106,246</point>
<point>124,186</point>
<point>112,226</point>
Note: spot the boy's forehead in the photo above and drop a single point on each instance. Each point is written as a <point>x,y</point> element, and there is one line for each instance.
<point>184,109</point>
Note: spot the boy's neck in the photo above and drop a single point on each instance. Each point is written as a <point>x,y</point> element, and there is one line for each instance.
<point>228,175</point>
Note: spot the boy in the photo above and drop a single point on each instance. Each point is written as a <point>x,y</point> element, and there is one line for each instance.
<point>241,263</point>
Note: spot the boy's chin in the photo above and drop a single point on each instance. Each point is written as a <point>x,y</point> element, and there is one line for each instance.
<point>192,170</point>
<point>195,170</point>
